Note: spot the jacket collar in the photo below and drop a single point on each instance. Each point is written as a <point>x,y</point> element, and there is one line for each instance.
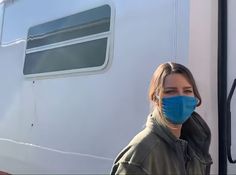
<point>196,131</point>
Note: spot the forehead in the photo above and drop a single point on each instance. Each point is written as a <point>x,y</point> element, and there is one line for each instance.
<point>176,80</point>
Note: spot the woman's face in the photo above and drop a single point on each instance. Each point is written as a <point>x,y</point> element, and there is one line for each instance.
<point>175,85</point>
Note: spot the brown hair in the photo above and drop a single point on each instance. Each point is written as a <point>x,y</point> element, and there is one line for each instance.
<point>165,69</point>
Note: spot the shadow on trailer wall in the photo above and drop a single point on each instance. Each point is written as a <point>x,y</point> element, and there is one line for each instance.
<point>230,43</point>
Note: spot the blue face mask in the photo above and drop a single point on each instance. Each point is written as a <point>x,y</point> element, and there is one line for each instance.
<point>178,109</point>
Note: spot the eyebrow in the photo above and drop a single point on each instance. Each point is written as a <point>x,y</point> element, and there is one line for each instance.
<point>187,87</point>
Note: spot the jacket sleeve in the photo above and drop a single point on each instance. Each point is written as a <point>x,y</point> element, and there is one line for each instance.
<point>127,169</point>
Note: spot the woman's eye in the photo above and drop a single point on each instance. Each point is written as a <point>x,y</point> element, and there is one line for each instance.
<point>188,91</point>
<point>169,92</point>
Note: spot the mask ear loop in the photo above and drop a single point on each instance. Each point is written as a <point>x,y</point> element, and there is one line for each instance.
<point>158,101</point>
<point>157,98</point>
<point>158,104</point>
<point>197,101</point>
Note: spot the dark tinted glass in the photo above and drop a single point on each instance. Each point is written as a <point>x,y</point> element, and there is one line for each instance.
<point>76,56</point>
<point>92,21</point>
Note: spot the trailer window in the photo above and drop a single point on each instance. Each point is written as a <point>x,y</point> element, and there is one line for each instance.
<point>74,43</point>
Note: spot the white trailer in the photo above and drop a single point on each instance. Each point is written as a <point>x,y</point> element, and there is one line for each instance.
<point>75,77</point>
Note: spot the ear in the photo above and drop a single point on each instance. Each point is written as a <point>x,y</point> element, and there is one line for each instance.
<point>156,100</point>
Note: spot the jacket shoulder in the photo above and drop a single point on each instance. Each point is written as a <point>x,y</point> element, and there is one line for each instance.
<point>137,150</point>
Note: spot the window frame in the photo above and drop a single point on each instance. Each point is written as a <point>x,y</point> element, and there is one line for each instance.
<point>80,71</point>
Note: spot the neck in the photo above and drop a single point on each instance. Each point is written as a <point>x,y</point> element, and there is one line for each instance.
<point>175,129</point>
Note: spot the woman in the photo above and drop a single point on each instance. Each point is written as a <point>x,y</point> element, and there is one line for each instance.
<point>176,139</point>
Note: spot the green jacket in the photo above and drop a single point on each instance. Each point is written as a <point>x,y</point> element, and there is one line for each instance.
<point>155,150</point>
